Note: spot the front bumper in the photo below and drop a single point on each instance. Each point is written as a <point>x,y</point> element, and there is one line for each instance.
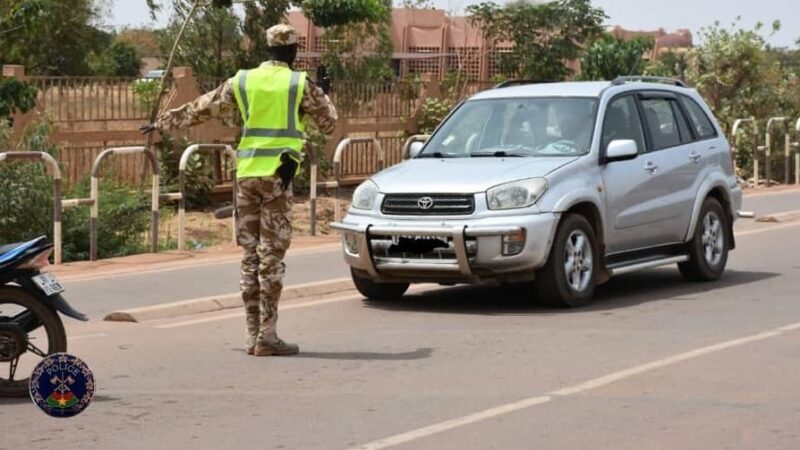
<point>474,254</point>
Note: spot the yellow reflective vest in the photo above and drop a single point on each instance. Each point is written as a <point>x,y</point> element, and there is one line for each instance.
<point>269,102</point>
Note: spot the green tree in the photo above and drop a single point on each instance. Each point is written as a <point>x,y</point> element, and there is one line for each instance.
<point>735,73</point>
<point>669,64</point>
<point>360,52</point>
<point>209,45</point>
<point>610,57</point>
<point>259,15</point>
<point>120,60</point>
<point>544,35</point>
<point>15,96</point>
<point>51,37</point>
<point>739,77</point>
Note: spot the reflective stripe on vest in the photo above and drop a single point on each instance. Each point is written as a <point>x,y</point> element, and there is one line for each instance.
<point>269,102</point>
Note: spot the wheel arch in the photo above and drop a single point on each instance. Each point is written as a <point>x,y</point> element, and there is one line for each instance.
<point>717,191</point>
<point>591,212</point>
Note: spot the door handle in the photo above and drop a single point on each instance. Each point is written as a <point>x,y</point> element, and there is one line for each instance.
<point>650,167</point>
<point>694,156</point>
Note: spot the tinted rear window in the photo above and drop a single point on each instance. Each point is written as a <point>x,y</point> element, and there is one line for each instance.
<point>703,128</point>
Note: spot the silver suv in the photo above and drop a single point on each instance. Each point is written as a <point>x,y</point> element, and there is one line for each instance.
<point>562,184</point>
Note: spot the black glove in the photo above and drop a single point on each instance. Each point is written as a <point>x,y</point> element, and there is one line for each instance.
<point>147,128</point>
<point>325,85</point>
<point>287,170</point>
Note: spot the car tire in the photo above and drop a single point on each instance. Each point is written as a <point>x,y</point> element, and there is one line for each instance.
<point>575,246</point>
<point>708,249</point>
<point>378,291</point>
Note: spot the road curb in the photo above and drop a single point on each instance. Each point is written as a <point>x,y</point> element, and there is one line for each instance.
<point>223,302</point>
<point>787,216</point>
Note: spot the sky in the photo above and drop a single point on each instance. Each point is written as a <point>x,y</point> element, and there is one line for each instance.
<point>630,14</point>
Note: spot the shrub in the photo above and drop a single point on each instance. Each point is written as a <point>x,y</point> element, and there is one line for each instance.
<point>432,113</point>
<point>26,205</point>
<point>124,218</point>
<point>199,182</point>
<point>26,191</point>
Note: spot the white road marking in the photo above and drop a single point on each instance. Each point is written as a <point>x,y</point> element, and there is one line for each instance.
<point>589,385</point>
<point>87,336</point>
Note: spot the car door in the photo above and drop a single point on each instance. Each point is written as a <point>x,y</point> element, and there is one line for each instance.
<point>677,157</point>
<point>649,198</point>
<point>627,185</point>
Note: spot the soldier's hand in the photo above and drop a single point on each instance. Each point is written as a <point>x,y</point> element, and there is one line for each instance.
<point>147,128</point>
<point>325,85</point>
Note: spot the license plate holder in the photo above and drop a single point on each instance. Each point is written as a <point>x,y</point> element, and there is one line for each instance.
<point>48,283</point>
<point>418,244</point>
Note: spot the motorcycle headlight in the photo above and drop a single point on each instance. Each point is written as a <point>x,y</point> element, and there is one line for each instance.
<point>365,195</point>
<point>518,194</point>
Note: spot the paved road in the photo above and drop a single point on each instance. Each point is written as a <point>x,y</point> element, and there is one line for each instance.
<point>655,362</point>
<point>99,297</point>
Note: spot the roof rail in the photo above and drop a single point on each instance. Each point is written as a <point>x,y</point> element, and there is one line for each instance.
<point>647,79</point>
<point>509,83</point>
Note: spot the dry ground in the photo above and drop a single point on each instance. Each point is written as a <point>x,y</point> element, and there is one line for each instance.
<point>203,230</point>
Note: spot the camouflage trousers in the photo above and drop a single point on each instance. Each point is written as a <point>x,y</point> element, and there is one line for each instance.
<point>264,211</point>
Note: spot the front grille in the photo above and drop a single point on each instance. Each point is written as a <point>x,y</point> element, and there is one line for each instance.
<point>440,204</point>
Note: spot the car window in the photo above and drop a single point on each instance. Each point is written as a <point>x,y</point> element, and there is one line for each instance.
<point>660,122</point>
<point>703,128</point>
<point>683,127</point>
<point>539,126</point>
<point>622,122</point>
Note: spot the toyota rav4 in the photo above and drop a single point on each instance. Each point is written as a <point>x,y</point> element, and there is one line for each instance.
<point>562,184</point>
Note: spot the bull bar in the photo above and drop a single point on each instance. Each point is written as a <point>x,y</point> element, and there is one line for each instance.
<point>457,233</point>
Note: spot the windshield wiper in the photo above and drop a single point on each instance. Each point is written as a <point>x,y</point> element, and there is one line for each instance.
<point>436,155</point>
<point>498,153</point>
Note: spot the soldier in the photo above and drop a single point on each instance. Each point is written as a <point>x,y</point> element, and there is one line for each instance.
<point>274,102</point>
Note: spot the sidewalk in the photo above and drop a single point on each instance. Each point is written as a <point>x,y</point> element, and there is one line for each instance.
<point>152,262</point>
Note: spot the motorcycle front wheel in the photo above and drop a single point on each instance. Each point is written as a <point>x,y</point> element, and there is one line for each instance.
<point>29,331</point>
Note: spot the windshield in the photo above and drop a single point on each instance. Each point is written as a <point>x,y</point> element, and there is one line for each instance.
<point>516,127</point>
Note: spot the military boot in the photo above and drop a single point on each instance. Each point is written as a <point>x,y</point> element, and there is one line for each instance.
<point>275,348</point>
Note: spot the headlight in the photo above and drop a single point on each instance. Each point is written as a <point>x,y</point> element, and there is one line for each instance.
<point>518,194</point>
<point>365,195</point>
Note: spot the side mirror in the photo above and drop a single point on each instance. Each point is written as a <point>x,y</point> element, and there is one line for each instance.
<point>415,148</point>
<point>620,149</point>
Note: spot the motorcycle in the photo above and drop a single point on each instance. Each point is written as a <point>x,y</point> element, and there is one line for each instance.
<point>30,303</point>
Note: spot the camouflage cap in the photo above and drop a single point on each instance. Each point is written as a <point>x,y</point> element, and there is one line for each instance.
<point>281,34</point>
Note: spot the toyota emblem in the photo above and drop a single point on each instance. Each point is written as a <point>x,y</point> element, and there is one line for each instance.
<point>425,203</point>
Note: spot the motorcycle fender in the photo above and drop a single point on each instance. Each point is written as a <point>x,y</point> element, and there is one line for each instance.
<point>55,301</point>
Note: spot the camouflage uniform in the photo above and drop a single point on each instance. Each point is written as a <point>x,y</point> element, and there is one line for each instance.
<point>263,207</point>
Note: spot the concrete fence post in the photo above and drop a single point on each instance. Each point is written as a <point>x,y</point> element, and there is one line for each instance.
<point>180,196</point>
<point>337,164</point>
<point>768,145</point>
<point>95,195</point>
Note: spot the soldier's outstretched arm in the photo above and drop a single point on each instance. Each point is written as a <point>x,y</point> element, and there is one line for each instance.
<point>317,105</point>
<point>210,105</point>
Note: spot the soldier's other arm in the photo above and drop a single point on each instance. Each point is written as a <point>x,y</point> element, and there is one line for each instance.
<point>210,105</point>
<point>319,107</point>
